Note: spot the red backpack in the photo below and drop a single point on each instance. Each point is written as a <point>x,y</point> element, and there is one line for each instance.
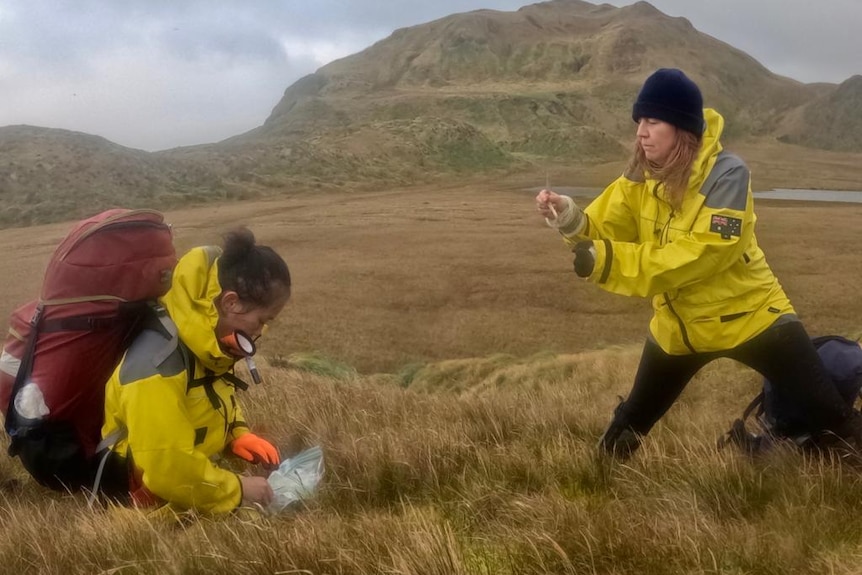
<point>61,349</point>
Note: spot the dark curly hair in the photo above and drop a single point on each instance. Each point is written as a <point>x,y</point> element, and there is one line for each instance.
<point>256,273</point>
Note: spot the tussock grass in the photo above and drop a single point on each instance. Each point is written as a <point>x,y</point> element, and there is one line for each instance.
<point>315,363</point>
<point>479,478</point>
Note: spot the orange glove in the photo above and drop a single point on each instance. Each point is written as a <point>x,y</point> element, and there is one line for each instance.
<point>255,449</point>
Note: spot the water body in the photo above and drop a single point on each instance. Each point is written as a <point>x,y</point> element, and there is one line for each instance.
<point>811,195</point>
<point>852,197</point>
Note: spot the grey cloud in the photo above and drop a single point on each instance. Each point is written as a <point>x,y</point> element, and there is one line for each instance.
<point>808,41</point>
<point>194,42</point>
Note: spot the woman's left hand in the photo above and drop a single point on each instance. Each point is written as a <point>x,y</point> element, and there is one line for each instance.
<point>255,449</point>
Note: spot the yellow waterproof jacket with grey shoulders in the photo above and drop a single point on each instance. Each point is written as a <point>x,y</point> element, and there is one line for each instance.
<point>173,430</point>
<point>710,285</point>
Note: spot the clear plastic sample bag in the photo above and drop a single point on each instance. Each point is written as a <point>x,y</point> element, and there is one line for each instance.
<point>296,479</point>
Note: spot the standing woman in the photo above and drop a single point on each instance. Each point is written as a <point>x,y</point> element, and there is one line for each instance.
<point>678,227</point>
<point>172,400</point>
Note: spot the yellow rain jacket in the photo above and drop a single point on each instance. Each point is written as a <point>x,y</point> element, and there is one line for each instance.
<point>710,285</point>
<point>174,425</point>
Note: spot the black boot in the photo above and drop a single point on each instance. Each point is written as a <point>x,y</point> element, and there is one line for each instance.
<point>619,440</point>
<point>851,430</point>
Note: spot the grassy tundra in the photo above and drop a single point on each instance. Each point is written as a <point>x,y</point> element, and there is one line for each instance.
<point>457,375</point>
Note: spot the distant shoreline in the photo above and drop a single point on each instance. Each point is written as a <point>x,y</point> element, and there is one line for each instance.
<point>795,194</point>
<point>805,195</point>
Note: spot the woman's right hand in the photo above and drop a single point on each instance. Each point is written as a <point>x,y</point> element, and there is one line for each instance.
<point>256,490</point>
<point>550,204</point>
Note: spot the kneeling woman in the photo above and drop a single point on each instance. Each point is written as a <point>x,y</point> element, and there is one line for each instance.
<point>172,398</point>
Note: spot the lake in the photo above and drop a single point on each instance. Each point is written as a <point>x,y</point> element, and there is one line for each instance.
<point>811,195</point>
<point>853,197</point>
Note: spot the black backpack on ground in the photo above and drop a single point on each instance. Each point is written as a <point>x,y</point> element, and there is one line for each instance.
<point>778,419</point>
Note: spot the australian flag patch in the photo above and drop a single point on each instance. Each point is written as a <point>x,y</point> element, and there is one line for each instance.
<point>726,226</point>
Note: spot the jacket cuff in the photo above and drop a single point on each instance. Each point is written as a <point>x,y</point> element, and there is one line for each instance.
<point>241,494</point>
<point>575,222</point>
<point>604,254</point>
<point>238,431</point>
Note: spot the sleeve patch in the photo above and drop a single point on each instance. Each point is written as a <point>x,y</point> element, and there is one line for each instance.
<point>726,226</point>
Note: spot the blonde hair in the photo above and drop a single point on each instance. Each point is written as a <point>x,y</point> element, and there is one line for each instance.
<point>675,171</point>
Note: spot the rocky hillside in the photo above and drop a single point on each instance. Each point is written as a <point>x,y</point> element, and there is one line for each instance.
<point>49,175</point>
<point>580,63</point>
<point>549,84</point>
<point>832,121</point>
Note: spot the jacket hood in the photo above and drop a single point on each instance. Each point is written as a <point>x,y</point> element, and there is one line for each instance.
<point>709,148</point>
<point>191,305</point>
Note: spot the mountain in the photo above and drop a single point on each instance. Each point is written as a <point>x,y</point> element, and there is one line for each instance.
<point>485,91</point>
<point>579,62</point>
<point>832,121</point>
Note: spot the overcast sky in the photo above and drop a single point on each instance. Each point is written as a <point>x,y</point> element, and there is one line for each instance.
<point>154,74</point>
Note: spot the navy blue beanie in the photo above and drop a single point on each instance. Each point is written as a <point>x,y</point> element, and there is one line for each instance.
<point>670,96</point>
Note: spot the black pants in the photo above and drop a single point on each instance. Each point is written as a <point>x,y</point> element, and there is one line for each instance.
<point>114,479</point>
<point>52,454</point>
<point>783,354</point>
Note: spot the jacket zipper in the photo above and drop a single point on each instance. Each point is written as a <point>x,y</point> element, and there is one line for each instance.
<point>665,232</point>
<point>682,329</point>
<point>663,238</point>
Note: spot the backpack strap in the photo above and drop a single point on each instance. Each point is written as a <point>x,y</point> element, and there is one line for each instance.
<point>169,329</point>
<point>79,323</point>
<point>738,434</point>
<point>94,322</point>
<point>117,435</point>
<point>756,403</point>
<point>209,378</point>
<point>235,380</point>
<point>207,383</point>
<point>22,376</point>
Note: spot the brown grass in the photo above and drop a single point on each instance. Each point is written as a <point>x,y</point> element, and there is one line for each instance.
<point>387,279</point>
<point>460,377</point>
<point>401,276</point>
